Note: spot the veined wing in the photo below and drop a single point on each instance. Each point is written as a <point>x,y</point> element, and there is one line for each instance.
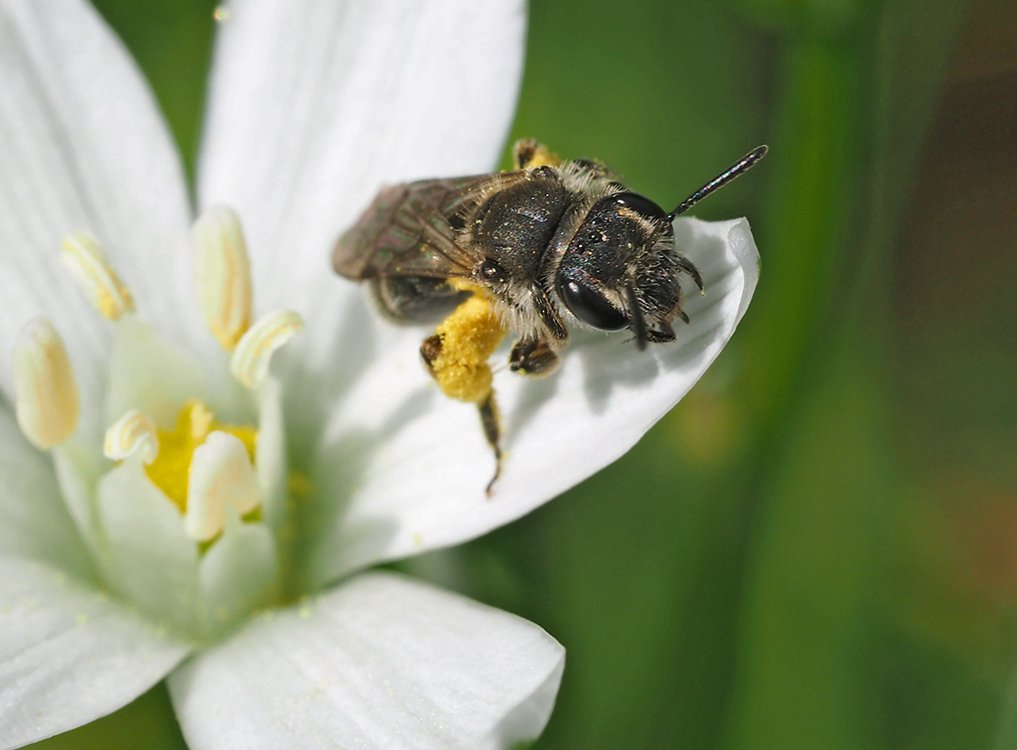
<point>409,230</point>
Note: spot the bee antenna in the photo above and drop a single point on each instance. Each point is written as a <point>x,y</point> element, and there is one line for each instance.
<point>738,168</point>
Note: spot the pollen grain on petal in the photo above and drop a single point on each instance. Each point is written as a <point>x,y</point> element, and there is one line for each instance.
<point>46,394</point>
<point>221,476</point>
<point>223,274</point>
<point>133,434</point>
<point>250,360</point>
<point>83,258</point>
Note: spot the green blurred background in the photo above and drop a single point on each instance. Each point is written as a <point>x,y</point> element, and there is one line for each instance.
<point>818,547</point>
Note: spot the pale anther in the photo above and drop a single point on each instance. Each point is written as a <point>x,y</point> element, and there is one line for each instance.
<point>46,395</point>
<point>250,360</point>
<point>133,434</point>
<point>81,255</point>
<point>223,274</point>
<point>221,476</point>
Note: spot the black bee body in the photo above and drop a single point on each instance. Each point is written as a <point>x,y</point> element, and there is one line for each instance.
<point>550,245</point>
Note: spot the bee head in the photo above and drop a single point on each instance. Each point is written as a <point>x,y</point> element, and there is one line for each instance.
<point>621,269</point>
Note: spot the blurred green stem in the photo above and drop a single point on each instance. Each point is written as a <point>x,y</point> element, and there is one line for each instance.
<point>1006,730</point>
<point>857,104</point>
<point>817,146</point>
<point>816,406</point>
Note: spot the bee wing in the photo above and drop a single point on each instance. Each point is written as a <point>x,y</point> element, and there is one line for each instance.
<point>409,230</point>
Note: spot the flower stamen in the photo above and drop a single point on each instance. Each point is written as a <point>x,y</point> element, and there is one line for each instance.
<point>250,360</point>
<point>81,255</point>
<point>46,394</point>
<point>171,468</point>
<point>134,433</point>
<point>221,476</point>
<point>223,274</point>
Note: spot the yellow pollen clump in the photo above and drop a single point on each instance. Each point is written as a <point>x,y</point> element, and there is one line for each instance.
<point>543,157</point>
<point>468,336</point>
<point>171,467</point>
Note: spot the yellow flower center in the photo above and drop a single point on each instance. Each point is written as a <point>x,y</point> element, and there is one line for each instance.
<point>170,471</point>
<point>206,468</point>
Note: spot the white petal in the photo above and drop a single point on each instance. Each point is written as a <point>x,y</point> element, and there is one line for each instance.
<point>77,471</point>
<point>238,571</point>
<point>379,662</point>
<point>84,148</point>
<point>150,560</point>
<point>33,518</point>
<point>69,655</point>
<point>408,468</point>
<point>314,105</point>
<point>152,373</point>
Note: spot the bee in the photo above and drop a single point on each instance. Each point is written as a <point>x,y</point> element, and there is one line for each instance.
<point>549,245</point>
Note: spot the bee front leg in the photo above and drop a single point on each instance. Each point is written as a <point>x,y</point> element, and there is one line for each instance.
<point>533,356</point>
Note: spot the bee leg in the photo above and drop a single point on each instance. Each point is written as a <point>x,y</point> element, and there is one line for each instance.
<point>457,357</point>
<point>664,332</point>
<point>533,356</point>
<point>686,265</point>
<point>490,418</point>
<point>530,154</point>
<point>430,350</point>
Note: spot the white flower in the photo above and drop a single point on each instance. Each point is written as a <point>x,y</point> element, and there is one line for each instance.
<point>138,539</point>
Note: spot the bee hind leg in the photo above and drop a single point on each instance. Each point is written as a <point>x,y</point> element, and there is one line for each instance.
<point>530,154</point>
<point>457,358</point>
<point>490,419</point>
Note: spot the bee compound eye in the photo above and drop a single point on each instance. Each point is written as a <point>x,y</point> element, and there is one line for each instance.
<point>641,205</point>
<point>590,307</point>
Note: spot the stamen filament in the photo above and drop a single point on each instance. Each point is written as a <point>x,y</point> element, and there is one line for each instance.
<point>133,433</point>
<point>223,274</point>
<point>250,360</point>
<point>46,395</point>
<point>81,255</point>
